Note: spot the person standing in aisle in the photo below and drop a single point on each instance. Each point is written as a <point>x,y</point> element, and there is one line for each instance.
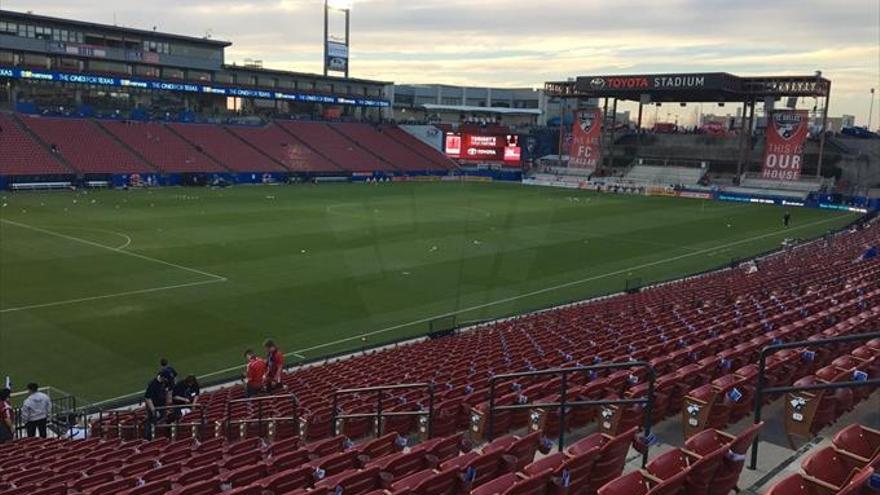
<point>35,411</point>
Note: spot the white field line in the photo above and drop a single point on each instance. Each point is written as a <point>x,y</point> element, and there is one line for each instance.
<point>110,296</point>
<point>213,278</point>
<point>299,352</point>
<point>127,241</point>
<point>89,229</point>
<point>113,249</point>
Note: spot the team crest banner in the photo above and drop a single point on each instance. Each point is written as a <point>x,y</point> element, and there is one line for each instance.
<point>585,150</point>
<point>783,152</point>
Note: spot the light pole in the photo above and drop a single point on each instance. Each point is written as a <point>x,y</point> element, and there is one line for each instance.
<point>335,51</point>
<point>871,110</point>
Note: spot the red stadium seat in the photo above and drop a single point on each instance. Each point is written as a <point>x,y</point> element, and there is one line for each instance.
<point>428,482</point>
<point>612,455</point>
<point>858,440</point>
<point>830,467</point>
<point>113,487</point>
<point>207,487</point>
<point>153,488</point>
<point>289,480</point>
<point>792,485</point>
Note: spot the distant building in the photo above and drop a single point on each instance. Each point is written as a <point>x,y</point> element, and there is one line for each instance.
<point>837,124</point>
<point>448,104</point>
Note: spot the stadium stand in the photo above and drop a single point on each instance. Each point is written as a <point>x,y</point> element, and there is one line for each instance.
<point>335,147</point>
<point>419,147</point>
<point>22,154</point>
<point>85,146</point>
<point>804,185</point>
<point>160,146</point>
<point>226,149</point>
<point>385,147</point>
<point>138,147</point>
<point>664,175</point>
<point>284,148</point>
<point>797,189</point>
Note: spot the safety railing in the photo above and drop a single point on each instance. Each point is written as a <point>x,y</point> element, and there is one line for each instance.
<point>127,426</point>
<point>380,414</point>
<point>266,425</point>
<point>61,419</point>
<point>564,404</point>
<point>173,424</point>
<point>762,390</point>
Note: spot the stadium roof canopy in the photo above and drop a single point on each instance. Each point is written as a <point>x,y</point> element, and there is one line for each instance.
<point>690,87</point>
<point>30,17</point>
<point>476,109</point>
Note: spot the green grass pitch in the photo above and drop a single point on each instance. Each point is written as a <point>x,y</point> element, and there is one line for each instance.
<point>96,287</point>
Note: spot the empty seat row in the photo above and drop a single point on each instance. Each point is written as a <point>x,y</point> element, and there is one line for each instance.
<point>23,155</point>
<point>112,146</point>
<point>845,467</point>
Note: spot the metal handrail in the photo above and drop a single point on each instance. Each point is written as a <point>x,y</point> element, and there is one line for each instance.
<point>174,407</point>
<point>260,400</point>
<point>61,406</point>
<point>564,404</point>
<point>398,386</point>
<point>379,414</point>
<point>761,389</point>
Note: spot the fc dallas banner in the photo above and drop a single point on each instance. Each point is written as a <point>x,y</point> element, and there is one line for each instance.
<point>585,150</point>
<point>783,154</point>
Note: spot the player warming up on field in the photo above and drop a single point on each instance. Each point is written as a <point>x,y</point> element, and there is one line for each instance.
<point>274,365</point>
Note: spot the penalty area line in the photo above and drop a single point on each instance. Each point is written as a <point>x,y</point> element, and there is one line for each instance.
<point>114,249</point>
<point>110,296</point>
<point>212,278</point>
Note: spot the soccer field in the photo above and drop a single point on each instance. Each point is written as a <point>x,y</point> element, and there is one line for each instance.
<point>96,287</point>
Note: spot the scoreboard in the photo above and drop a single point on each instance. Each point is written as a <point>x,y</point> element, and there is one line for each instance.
<point>502,149</point>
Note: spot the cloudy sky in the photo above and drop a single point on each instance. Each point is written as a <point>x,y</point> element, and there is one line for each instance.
<point>506,43</point>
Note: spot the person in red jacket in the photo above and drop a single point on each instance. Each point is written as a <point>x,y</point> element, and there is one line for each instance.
<point>7,423</point>
<point>274,365</point>
<point>255,376</point>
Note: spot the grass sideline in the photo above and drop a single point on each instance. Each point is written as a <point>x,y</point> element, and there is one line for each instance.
<point>95,287</point>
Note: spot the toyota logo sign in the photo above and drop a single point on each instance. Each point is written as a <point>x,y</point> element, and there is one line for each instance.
<point>597,82</point>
